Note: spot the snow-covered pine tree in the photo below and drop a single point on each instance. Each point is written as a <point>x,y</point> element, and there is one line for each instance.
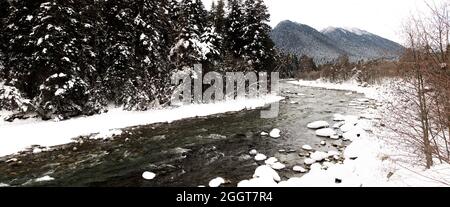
<point>161,15</point>
<point>92,34</point>
<point>258,49</point>
<point>219,17</point>
<point>55,64</point>
<point>194,41</point>
<point>235,29</point>
<point>123,78</point>
<point>235,25</point>
<point>136,52</point>
<point>19,46</point>
<point>217,23</point>
<point>4,13</point>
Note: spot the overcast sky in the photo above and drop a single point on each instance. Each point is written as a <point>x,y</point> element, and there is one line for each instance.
<point>381,17</point>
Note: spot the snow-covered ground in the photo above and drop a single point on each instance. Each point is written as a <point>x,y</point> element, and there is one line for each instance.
<point>369,161</point>
<point>22,134</point>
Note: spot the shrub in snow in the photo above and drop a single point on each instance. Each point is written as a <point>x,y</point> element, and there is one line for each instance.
<point>12,99</point>
<point>62,95</point>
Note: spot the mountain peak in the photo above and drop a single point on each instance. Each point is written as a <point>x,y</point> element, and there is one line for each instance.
<point>358,31</point>
<point>353,30</point>
<point>332,42</point>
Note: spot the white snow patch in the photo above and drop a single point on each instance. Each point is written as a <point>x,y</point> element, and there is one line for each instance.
<point>108,134</point>
<point>22,134</point>
<point>44,179</point>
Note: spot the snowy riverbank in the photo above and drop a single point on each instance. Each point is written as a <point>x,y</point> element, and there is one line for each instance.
<point>369,161</point>
<point>22,134</point>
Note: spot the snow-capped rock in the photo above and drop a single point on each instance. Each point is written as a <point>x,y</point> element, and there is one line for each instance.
<point>253,152</point>
<point>326,132</point>
<point>260,157</point>
<point>309,161</point>
<point>148,175</point>
<point>319,156</point>
<point>275,133</point>
<point>37,150</point>
<point>335,137</point>
<point>363,100</point>
<point>349,125</point>
<point>257,182</point>
<point>266,172</point>
<point>318,125</point>
<point>338,117</point>
<point>333,153</point>
<point>271,161</point>
<point>354,134</point>
<point>278,166</point>
<point>338,125</point>
<point>216,182</point>
<point>307,147</point>
<point>299,169</point>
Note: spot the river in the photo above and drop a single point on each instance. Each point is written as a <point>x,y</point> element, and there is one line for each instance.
<point>188,152</point>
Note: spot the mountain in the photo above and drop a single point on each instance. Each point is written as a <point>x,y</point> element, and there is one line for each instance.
<point>361,44</point>
<point>329,44</point>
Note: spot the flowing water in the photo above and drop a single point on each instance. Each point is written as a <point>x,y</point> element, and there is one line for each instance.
<point>188,152</point>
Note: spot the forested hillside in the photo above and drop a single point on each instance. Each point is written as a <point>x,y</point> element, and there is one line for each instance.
<point>64,58</point>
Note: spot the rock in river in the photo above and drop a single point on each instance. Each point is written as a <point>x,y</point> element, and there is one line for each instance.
<point>327,132</point>
<point>148,175</point>
<point>260,157</point>
<point>216,182</point>
<point>275,133</point>
<point>318,125</point>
